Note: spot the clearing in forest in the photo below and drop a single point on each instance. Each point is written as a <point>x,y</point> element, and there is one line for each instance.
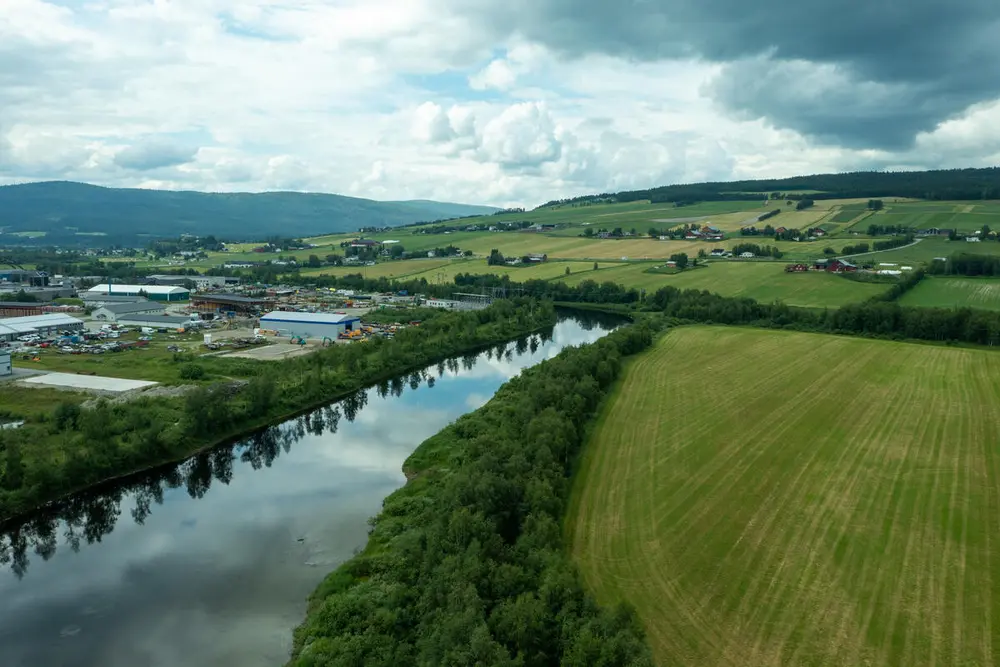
<point>780,498</point>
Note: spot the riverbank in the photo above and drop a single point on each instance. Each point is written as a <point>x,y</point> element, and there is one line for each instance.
<point>70,449</point>
<point>469,552</point>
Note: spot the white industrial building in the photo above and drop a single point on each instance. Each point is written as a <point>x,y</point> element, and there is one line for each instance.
<point>5,366</point>
<point>98,299</point>
<point>153,292</point>
<point>12,328</point>
<point>176,322</point>
<point>112,312</point>
<point>308,325</point>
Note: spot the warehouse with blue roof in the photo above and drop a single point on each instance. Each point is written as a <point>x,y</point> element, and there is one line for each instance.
<point>309,325</point>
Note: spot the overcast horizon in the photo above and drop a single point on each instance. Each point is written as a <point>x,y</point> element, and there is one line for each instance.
<point>506,103</point>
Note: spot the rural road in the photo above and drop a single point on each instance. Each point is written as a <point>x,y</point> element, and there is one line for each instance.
<point>875,252</point>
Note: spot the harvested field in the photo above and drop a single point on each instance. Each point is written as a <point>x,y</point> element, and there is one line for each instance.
<point>811,500</point>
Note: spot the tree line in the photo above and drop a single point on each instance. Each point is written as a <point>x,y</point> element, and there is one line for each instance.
<point>466,564</point>
<point>942,184</point>
<point>966,264</point>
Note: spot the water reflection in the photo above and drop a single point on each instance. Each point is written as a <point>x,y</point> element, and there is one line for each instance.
<point>224,579</point>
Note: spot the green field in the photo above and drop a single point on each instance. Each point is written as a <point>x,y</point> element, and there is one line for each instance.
<point>763,281</point>
<point>963,216</point>
<point>779,498</point>
<point>929,248</point>
<point>954,292</point>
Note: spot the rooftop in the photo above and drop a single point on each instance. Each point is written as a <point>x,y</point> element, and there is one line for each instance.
<point>29,323</point>
<point>148,289</point>
<point>156,320</point>
<point>308,318</point>
<point>126,308</point>
<point>228,298</point>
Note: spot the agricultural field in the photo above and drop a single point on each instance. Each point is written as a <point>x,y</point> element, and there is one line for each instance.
<point>813,500</point>
<point>954,292</point>
<point>961,216</point>
<point>763,281</point>
<point>929,248</point>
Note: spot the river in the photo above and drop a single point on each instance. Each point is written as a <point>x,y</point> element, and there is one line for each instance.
<point>211,561</point>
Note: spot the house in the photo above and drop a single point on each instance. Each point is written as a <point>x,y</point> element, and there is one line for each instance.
<point>537,258</point>
<point>692,236</point>
<point>718,252</point>
<point>780,230</point>
<point>816,231</point>
<point>671,264</point>
<point>972,239</point>
<point>746,255</point>
<point>796,268</point>
<point>111,312</point>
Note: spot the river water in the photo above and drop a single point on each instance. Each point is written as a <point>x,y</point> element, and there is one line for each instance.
<point>210,562</point>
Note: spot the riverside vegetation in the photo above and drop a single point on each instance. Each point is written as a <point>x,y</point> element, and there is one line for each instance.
<point>465,565</point>
<point>76,444</point>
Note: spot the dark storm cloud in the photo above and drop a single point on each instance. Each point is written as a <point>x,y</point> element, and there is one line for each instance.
<point>863,74</point>
<point>145,157</point>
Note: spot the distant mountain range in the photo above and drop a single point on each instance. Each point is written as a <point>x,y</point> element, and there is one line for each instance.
<point>77,213</point>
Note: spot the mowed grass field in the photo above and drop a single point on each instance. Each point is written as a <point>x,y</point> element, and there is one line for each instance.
<point>954,292</point>
<point>763,281</point>
<point>780,498</point>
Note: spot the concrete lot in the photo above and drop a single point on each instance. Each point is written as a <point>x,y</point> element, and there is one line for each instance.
<point>272,352</point>
<point>91,382</point>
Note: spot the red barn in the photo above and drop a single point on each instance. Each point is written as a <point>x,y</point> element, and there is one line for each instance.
<point>840,266</point>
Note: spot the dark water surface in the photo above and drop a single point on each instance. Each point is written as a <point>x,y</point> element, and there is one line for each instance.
<point>210,562</point>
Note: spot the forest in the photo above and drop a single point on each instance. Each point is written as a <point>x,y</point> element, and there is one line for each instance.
<point>465,565</point>
<point>944,184</point>
<point>72,447</point>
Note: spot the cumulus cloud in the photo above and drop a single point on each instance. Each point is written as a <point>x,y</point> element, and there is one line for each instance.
<point>431,124</point>
<point>498,75</point>
<point>144,157</point>
<point>523,136</point>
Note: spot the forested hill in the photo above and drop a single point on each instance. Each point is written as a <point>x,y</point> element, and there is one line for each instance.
<point>70,213</point>
<point>935,185</point>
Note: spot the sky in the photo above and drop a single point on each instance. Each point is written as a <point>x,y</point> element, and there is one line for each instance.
<point>501,102</point>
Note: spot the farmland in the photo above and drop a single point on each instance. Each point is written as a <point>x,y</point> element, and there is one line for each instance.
<point>962,216</point>
<point>816,500</point>
<point>763,281</point>
<point>955,292</point>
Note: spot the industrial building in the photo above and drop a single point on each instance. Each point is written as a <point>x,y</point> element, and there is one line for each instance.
<point>5,365</point>
<point>153,292</point>
<point>229,303</point>
<point>11,328</point>
<point>24,277</point>
<point>112,312</point>
<point>98,299</point>
<point>158,321</point>
<point>308,325</point>
<point>200,282</point>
